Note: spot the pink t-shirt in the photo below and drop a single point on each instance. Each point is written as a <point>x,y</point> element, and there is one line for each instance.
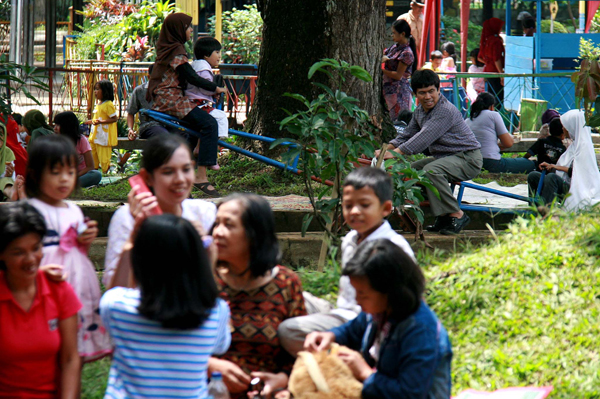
<point>82,147</point>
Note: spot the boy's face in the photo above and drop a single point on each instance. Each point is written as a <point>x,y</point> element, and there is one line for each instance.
<point>214,59</point>
<point>362,210</point>
<point>436,62</point>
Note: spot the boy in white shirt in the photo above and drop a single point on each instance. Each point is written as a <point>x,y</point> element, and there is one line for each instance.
<point>207,52</point>
<point>366,201</point>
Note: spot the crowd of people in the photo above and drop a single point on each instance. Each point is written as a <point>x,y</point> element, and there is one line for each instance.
<point>195,289</point>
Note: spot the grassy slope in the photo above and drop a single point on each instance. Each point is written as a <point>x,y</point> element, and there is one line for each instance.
<point>526,309</point>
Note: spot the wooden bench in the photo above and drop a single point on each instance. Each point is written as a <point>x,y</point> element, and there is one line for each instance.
<point>125,144</point>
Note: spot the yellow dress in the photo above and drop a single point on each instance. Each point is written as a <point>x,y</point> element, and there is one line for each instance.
<point>103,137</point>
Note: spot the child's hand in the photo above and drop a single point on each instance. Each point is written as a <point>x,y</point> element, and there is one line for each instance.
<point>89,235</point>
<point>95,121</point>
<point>221,90</point>
<point>54,273</point>
<point>547,166</point>
<point>318,341</point>
<point>88,122</point>
<point>360,369</point>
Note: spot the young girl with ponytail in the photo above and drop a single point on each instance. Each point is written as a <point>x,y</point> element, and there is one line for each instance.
<point>399,64</point>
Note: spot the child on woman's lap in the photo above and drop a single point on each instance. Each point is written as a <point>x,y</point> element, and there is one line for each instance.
<point>50,180</point>
<point>207,51</point>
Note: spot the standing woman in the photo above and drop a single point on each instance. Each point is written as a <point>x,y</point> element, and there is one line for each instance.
<point>399,65</point>
<point>491,53</point>
<point>488,127</point>
<point>170,76</point>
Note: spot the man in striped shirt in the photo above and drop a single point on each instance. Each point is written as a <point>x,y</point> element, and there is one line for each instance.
<point>438,129</point>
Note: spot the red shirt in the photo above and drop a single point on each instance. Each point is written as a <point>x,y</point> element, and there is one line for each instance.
<point>30,341</point>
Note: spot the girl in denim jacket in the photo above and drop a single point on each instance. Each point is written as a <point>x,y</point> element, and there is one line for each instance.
<point>403,349</point>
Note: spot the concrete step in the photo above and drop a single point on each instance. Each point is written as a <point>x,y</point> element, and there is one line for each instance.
<point>304,251</point>
<point>290,220</point>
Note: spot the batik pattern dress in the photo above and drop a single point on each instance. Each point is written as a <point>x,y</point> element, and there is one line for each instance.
<point>255,317</point>
<point>397,93</point>
<point>61,248</point>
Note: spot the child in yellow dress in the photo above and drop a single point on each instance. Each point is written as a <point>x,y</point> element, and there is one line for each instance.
<point>103,135</point>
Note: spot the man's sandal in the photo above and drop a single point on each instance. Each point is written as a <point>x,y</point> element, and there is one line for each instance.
<point>204,188</point>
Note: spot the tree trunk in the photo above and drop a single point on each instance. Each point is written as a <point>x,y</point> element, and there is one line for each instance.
<point>295,37</point>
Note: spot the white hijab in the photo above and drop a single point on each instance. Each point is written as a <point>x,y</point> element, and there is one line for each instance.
<point>585,181</point>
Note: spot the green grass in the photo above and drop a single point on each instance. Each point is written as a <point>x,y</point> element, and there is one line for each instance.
<point>238,174</point>
<point>94,377</point>
<point>503,179</point>
<point>525,310</point>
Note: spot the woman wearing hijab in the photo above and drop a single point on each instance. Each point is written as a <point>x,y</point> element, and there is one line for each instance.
<point>12,142</point>
<point>170,76</point>
<point>576,170</point>
<point>491,53</point>
<point>35,125</point>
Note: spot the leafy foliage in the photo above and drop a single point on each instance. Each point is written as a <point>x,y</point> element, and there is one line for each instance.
<point>587,81</point>
<point>15,79</point>
<point>131,35</point>
<point>558,27</point>
<point>451,33</point>
<point>242,35</point>
<point>525,310</point>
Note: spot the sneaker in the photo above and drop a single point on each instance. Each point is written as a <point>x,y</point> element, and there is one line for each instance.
<point>456,225</point>
<point>440,223</point>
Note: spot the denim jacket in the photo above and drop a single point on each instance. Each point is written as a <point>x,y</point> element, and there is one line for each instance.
<point>414,359</point>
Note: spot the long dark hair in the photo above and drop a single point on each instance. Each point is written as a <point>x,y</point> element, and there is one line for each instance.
<point>390,271</point>
<point>159,149</point>
<point>483,102</point>
<point>401,26</point>
<point>182,297</point>
<point>108,90</point>
<point>69,125</point>
<point>450,49</point>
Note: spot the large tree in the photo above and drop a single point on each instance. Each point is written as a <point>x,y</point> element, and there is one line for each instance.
<point>298,34</point>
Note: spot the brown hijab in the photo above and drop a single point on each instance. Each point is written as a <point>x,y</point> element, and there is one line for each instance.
<point>169,45</point>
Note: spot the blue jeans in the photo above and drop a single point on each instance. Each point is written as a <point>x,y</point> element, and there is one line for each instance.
<point>508,165</point>
<point>91,178</point>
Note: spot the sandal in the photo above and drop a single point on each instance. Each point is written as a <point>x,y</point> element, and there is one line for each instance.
<point>204,188</point>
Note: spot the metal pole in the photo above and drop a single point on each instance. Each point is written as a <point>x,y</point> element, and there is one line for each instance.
<point>16,26</point>
<point>28,31</point>
<point>538,43</point>
<point>508,17</point>
<point>219,21</point>
<point>50,12</point>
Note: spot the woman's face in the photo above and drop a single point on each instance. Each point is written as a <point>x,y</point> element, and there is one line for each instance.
<point>371,301</point>
<point>56,128</point>
<point>22,257</point>
<point>229,234</point>
<point>172,181</point>
<point>397,37</point>
<point>188,33</point>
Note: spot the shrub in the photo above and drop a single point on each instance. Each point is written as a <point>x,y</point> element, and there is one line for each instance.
<point>451,32</point>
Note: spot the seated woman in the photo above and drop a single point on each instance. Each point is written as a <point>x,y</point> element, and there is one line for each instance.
<point>404,349</point>
<point>38,330</point>
<point>166,329</point>
<point>67,124</point>
<point>576,170</point>
<point>168,170</point>
<point>35,125</point>
<point>488,127</point>
<point>170,76</point>
<point>260,294</point>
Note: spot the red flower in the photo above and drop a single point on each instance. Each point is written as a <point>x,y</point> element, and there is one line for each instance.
<point>454,30</point>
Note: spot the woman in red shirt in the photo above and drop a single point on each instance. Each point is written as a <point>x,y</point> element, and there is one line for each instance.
<point>38,332</point>
<point>491,53</point>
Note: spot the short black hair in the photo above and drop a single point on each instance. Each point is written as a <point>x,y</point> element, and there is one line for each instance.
<point>108,90</point>
<point>46,152</point>
<point>159,149</point>
<point>449,48</point>
<point>436,54</point>
<point>18,118</point>
<point>259,224</point>
<point>69,126</point>
<point>390,271</point>
<point>183,297</point>
<point>424,78</point>
<point>405,116</point>
<point>18,219</point>
<point>528,23</point>
<point>475,53</point>
<point>374,178</point>
<point>555,127</point>
<point>205,46</point>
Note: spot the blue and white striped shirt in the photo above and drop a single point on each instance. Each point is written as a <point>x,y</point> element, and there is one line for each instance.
<point>151,361</point>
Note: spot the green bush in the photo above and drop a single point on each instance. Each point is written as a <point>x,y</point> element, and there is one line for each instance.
<point>525,310</point>
<point>558,27</point>
<point>451,32</point>
<point>242,35</point>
